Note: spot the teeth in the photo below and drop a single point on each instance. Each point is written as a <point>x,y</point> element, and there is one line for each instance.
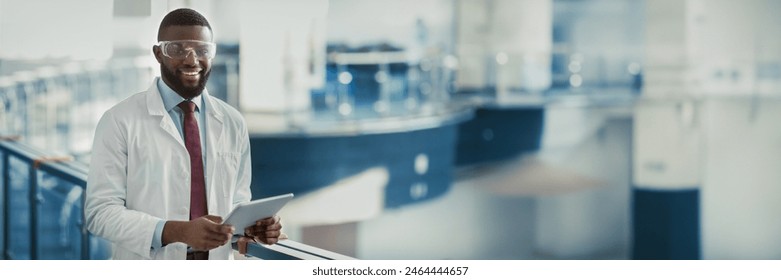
<point>190,73</point>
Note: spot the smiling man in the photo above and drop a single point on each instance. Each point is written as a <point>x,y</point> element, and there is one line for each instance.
<point>168,163</point>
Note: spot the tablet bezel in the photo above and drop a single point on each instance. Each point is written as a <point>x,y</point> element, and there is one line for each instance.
<point>246,214</point>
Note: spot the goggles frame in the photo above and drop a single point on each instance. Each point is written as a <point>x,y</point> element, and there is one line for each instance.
<point>187,49</point>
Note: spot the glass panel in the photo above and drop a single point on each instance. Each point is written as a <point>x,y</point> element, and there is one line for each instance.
<point>59,218</point>
<point>19,209</point>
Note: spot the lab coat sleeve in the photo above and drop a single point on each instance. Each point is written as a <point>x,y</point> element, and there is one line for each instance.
<point>105,211</point>
<point>243,192</point>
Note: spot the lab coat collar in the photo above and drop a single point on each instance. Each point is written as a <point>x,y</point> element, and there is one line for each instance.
<point>156,107</point>
<point>171,99</point>
<point>214,120</point>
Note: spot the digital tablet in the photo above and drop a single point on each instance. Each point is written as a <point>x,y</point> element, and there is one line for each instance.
<point>247,213</point>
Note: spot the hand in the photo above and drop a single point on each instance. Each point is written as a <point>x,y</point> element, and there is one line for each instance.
<point>244,241</point>
<point>207,232</point>
<point>251,235</point>
<point>267,231</point>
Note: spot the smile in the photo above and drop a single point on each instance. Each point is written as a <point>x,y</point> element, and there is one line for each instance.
<point>194,73</point>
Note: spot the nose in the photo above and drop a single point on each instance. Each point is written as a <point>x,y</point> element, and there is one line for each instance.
<point>191,58</point>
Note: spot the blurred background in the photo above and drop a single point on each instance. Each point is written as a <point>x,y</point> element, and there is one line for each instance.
<point>431,129</point>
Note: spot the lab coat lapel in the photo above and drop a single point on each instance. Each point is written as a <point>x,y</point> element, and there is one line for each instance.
<point>155,107</point>
<point>214,128</point>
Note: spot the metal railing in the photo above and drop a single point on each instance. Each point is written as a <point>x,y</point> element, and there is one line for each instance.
<point>42,199</point>
<point>43,196</point>
<point>291,250</point>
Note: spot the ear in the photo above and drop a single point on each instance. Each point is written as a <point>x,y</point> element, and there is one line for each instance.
<point>158,53</point>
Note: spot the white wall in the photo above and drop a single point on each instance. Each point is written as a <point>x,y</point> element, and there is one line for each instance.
<point>735,39</point>
<point>36,29</point>
<point>139,32</point>
<point>741,183</point>
<point>713,47</point>
<point>281,43</point>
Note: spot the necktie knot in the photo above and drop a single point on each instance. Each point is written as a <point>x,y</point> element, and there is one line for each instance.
<point>187,106</point>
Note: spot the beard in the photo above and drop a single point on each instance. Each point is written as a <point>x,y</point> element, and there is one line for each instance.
<point>185,91</point>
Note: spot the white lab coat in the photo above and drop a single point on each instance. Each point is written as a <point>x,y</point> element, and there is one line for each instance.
<point>140,174</point>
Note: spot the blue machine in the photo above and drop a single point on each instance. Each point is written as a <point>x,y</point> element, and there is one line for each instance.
<point>496,134</point>
<point>301,164</point>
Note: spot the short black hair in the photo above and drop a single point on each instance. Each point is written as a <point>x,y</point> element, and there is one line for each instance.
<point>183,16</point>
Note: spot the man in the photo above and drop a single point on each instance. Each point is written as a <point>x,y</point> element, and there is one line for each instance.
<point>169,162</point>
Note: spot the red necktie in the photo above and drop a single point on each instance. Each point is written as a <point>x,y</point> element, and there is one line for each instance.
<point>192,140</point>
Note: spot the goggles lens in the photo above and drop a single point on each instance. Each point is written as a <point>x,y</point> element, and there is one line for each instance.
<point>181,49</point>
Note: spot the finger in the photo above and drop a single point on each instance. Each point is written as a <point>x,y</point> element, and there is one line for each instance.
<point>271,227</point>
<point>264,222</point>
<point>269,241</point>
<point>220,229</point>
<point>269,234</point>
<point>214,219</point>
<point>268,221</point>
<point>282,236</point>
<point>242,244</point>
<point>219,241</point>
<point>221,238</point>
<point>211,244</point>
<point>227,229</point>
<point>256,229</point>
<point>264,233</point>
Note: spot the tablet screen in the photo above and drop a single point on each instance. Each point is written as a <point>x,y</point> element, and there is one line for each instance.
<point>246,214</point>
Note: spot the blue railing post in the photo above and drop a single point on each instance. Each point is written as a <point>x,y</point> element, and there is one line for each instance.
<point>85,248</point>
<point>33,196</point>
<point>5,194</point>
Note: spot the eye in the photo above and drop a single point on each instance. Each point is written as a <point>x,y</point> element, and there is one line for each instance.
<point>175,49</point>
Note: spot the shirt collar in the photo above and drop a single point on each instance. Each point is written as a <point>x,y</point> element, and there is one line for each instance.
<point>171,99</point>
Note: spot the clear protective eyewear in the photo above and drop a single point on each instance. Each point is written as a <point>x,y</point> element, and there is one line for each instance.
<point>181,49</point>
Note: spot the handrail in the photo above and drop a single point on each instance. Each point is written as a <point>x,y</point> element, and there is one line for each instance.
<point>291,250</point>
<point>76,174</point>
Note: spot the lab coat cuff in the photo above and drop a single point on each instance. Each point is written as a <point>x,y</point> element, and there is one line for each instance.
<point>157,238</point>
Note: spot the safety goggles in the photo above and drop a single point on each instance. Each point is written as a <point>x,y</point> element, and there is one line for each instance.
<point>182,48</point>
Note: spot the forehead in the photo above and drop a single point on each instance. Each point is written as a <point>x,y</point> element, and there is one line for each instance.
<point>186,32</point>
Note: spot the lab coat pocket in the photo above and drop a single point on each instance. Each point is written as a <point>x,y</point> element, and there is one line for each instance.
<point>228,161</point>
<point>227,170</point>
<point>226,176</point>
